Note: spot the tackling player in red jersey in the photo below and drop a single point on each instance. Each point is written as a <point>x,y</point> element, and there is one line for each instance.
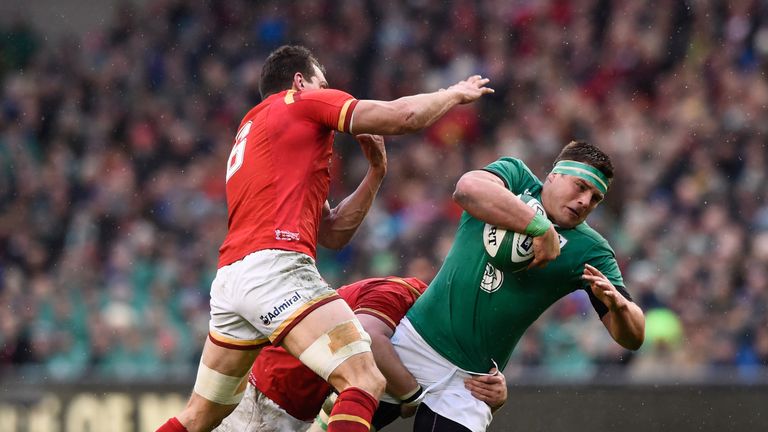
<point>285,395</point>
<point>267,288</point>
<point>275,199</point>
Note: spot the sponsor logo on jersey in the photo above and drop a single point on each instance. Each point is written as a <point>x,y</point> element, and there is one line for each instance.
<point>282,307</point>
<point>525,247</point>
<point>491,237</point>
<point>286,235</point>
<point>492,279</point>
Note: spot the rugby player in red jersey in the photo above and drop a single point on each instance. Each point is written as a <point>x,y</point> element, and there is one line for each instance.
<point>285,396</point>
<point>267,289</point>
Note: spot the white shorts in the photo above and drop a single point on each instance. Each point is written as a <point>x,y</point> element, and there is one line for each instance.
<point>258,299</point>
<point>443,382</point>
<point>258,413</point>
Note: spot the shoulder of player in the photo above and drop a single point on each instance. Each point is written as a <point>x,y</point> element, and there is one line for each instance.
<point>394,289</point>
<point>587,237</point>
<point>322,95</point>
<point>515,163</point>
<point>409,287</point>
<point>261,106</point>
<point>385,298</point>
<point>529,181</point>
<point>378,288</point>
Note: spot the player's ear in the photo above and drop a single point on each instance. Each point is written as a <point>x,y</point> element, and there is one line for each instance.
<point>298,81</point>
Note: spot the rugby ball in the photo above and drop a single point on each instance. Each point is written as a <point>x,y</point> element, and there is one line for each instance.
<point>508,250</point>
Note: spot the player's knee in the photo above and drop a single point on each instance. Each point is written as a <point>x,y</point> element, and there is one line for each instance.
<point>335,347</point>
<point>375,379</point>
<point>375,382</point>
<point>359,371</point>
<point>201,415</point>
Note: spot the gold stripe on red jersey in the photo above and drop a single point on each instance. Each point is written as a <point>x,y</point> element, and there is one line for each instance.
<point>345,116</point>
<point>377,314</point>
<point>404,283</point>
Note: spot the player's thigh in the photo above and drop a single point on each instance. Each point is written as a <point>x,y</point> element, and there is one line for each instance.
<point>267,295</point>
<point>227,361</point>
<point>318,323</point>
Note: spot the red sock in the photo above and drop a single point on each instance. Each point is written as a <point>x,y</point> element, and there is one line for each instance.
<point>172,425</point>
<point>352,411</point>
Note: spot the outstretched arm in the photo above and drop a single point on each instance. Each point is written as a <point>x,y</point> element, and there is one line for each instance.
<point>413,113</point>
<point>625,320</point>
<point>340,223</point>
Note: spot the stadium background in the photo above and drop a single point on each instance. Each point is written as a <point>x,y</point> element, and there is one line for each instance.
<point>116,119</point>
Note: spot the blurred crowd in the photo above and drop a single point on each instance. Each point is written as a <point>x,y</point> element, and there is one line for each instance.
<point>113,145</point>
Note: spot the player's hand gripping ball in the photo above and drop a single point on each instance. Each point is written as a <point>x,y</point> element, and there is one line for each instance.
<point>508,250</point>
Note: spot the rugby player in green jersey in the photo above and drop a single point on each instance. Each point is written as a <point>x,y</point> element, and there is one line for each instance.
<point>473,314</point>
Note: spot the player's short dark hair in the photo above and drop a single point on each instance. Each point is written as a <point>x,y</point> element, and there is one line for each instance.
<point>281,65</point>
<point>581,151</point>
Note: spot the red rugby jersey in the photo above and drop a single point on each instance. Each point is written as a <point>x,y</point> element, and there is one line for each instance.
<point>293,386</point>
<point>278,172</point>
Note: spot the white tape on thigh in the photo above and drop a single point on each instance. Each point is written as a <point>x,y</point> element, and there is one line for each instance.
<point>217,387</point>
<point>331,349</point>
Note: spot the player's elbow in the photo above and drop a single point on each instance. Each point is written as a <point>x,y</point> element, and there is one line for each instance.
<point>633,341</point>
<point>333,242</point>
<point>466,188</point>
<point>634,344</point>
<point>332,239</point>
<point>637,335</point>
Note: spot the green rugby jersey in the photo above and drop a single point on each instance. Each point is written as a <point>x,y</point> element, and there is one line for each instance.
<point>473,314</point>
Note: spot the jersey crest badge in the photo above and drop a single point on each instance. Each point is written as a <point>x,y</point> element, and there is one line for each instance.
<point>492,279</point>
